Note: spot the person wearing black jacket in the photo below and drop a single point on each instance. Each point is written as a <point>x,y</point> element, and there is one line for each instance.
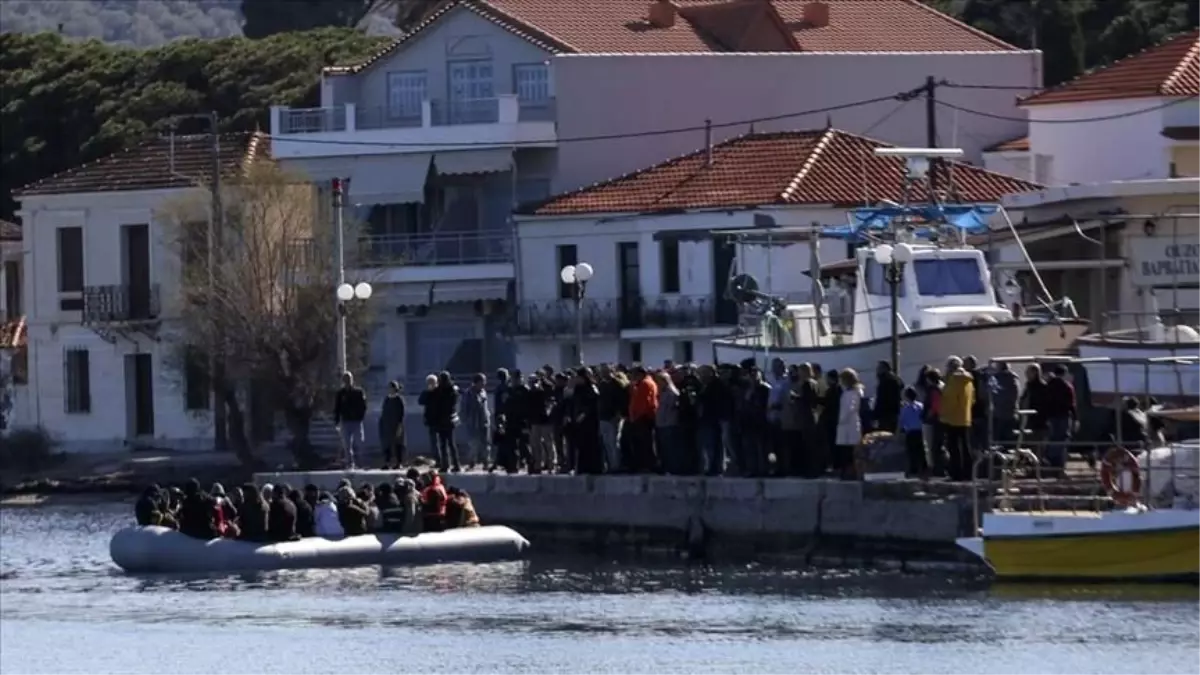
<point>282,516</point>
<point>253,515</point>
<point>349,411</point>
<point>810,462</point>
<point>197,511</point>
<point>440,400</point>
<point>612,406</point>
<point>755,429</point>
<point>585,423</point>
<point>391,427</point>
<point>516,412</point>
<point>830,412</point>
<point>712,424</point>
<point>541,428</point>
<point>888,391</point>
<point>688,401</point>
<point>561,418</point>
<point>304,512</point>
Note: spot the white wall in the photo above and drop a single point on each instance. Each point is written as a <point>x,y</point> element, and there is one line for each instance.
<point>53,331</point>
<point>1127,148</point>
<point>597,238</point>
<point>620,94</point>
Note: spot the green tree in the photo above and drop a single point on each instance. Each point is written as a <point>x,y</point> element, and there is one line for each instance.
<point>269,17</point>
<point>63,103</point>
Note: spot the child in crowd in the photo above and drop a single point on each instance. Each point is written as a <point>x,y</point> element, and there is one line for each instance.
<point>914,440</point>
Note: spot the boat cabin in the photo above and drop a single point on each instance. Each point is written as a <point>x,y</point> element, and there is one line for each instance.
<point>938,288</point>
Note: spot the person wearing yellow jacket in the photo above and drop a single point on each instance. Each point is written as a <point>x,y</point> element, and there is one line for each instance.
<point>958,397</point>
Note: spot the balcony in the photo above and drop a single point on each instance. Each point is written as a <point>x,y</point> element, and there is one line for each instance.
<point>554,319</point>
<point>120,303</point>
<point>463,248</point>
<point>674,311</point>
<point>438,124</point>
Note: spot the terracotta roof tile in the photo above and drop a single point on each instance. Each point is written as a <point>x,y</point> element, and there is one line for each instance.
<point>13,334</point>
<point>1171,68</point>
<point>826,166</point>
<point>706,26</point>
<point>148,166</point>
<point>1020,144</point>
<point>9,231</point>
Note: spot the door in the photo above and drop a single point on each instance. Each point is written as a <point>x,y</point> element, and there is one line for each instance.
<point>630,284</point>
<point>139,395</point>
<point>137,271</point>
<point>724,256</point>
<point>472,93</point>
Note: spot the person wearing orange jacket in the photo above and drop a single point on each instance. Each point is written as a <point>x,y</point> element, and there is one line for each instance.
<point>433,504</point>
<point>643,413</point>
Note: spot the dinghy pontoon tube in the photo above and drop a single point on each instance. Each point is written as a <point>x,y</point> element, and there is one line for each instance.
<point>158,549</point>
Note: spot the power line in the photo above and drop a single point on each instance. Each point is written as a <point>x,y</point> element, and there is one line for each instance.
<point>1074,120</point>
<point>901,96</point>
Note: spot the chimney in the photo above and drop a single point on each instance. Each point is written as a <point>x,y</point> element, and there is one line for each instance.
<point>816,14</point>
<point>662,14</point>
<point>707,142</point>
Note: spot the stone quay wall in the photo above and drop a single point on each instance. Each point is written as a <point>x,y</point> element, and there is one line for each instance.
<point>829,521</point>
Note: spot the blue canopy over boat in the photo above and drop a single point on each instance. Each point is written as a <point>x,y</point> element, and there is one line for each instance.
<point>969,218</point>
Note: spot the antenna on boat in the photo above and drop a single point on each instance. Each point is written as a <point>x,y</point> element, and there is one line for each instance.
<point>918,166</point>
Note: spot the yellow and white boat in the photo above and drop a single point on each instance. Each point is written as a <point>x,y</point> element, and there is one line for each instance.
<point>1134,543</point>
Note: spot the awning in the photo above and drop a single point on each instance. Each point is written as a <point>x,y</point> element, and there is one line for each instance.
<point>410,295</point>
<point>389,179</point>
<point>470,291</point>
<point>492,160</point>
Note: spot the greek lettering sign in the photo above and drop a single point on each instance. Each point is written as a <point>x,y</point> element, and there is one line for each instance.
<point>1164,261</point>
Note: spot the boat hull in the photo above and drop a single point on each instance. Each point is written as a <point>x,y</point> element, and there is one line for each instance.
<point>161,550</point>
<point>1152,546</point>
<point>1175,383</point>
<point>931,347</point>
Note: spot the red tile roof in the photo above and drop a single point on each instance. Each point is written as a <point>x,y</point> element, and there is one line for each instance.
<point>9,231</point>
<point>826,166</point>
<point>711,26</point>
<point>13,334</point>
<point>1012,145</point>
<point>148,166</point>
<point>1171,68</point>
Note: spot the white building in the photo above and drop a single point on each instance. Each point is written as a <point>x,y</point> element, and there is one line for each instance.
<point>101,294</point>
<point>659,289</point>
<point>14,381</point>
<point>1127,178</point>
<point>481,107</point>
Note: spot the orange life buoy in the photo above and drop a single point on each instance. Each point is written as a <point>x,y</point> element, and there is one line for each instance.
<point>1120,458</point>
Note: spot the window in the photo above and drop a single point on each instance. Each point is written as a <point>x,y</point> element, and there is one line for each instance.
<point>406,92</point>
<point>77,383</point>
<point>70,266</point>
<point>12,289</point>
<point>877,281</point>
<point>669,265</point>
<point>957,276</point>
<point>532,83</point>
<point>635,352</point>
<point>684,352</point>
<point>567,255</point>
<point>197,385</point>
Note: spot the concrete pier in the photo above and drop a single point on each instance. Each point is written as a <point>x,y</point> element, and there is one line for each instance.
<point>900,521</point>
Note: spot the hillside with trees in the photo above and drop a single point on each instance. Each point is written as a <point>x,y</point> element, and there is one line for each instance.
<point>135,23</point>
<point>64,102</point>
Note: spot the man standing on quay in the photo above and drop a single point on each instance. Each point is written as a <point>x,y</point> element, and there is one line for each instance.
<point>349,411</point>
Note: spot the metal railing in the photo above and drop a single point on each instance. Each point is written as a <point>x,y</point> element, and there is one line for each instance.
<point>311,120</point>
<point>120,303</point>
<point>557,318</point>
<point>674,311</point>
<point>610,316</point>
<point>462,248</point>
<point>384,117</point>
<point>452,112</point>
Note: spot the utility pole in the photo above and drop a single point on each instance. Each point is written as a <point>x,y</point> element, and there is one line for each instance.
<point>215,237</point>
<point>931,129</point>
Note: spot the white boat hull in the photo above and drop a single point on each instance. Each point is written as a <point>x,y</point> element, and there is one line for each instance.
<point>161,550</point>
<point>1179,383</point>
<point>932,347</point>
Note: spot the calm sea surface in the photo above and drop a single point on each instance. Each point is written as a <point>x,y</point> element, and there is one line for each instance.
<point>64,608</point>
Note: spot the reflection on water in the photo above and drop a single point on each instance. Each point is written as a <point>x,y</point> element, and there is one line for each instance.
<point>556,614</point>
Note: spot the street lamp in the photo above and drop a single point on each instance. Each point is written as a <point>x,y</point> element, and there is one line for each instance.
<point>577,277</point>
<point>893,259</point>
<point>346,293</point>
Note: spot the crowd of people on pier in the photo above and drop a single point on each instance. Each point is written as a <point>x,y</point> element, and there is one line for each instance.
<point>732,419</point>
<point>418,502</point>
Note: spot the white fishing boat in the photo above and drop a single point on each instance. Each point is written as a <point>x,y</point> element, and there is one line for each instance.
<point>920,290</point>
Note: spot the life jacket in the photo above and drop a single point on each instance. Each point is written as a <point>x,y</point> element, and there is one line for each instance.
<point>433,498</point>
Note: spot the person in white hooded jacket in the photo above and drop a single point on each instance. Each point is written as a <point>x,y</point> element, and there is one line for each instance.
<point>325,518</point>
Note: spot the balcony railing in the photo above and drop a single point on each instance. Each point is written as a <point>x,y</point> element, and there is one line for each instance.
<point>120,304</point>
<point>556,318</point>
<point>465,248</point>
<point>505,109</point>
<point>672,311</point>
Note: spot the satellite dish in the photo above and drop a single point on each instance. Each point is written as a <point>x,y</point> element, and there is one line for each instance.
<point>743,288</point>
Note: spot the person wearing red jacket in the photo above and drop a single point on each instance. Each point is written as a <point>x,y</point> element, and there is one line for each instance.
<point>643,412</point>
<point>433,504</point>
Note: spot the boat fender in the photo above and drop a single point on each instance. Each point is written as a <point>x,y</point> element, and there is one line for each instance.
<point>1117,461</point>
